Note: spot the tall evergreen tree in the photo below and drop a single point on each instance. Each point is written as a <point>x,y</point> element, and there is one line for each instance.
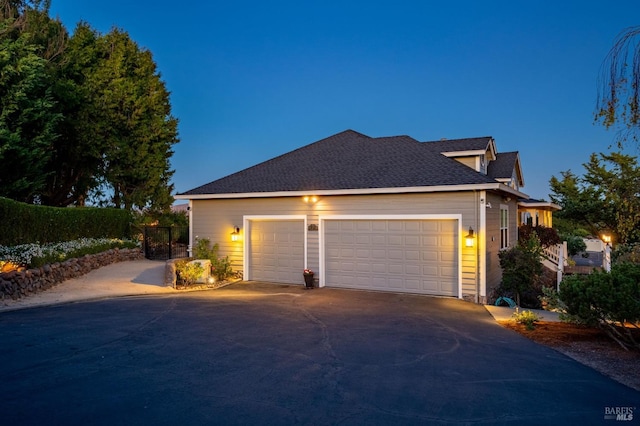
<point>82,116</point>
<point>137,128</point>
<point>28,119</point>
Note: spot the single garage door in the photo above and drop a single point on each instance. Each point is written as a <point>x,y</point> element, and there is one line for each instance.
<point>409,256</point>
<point>276,251</point>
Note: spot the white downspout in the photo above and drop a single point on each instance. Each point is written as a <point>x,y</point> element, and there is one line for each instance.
<point>482,248</point>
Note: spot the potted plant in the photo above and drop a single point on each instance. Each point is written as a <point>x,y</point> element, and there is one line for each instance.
<point>308,278</point>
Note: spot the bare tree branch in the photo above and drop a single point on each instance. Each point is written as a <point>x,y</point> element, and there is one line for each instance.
<point>618,98</point>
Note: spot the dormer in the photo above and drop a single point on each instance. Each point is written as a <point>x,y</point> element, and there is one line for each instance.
<point>506,169</point>
<point>476,153</point>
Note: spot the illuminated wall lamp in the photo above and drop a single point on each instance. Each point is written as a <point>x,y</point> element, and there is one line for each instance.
<point>469,238</point>
<point>310,198</point>
<point>235,235</point>
<point>606,238</point>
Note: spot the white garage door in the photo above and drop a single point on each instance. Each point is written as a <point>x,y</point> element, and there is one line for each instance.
<point>410,256</point>
<point>276,251</point>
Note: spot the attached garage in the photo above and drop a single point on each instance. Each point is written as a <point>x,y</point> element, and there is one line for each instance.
<point>276,250</point>
<point>385,214</point>
<point>399,255</point>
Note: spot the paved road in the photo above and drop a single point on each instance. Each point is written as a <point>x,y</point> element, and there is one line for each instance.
<point>254,353</point>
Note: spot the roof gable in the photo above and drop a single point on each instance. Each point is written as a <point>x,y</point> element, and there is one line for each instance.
<point>466,147</point>
<point>505,166</point>
<point>349,160</point>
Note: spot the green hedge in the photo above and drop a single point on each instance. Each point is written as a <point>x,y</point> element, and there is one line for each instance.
<point>22,223</point>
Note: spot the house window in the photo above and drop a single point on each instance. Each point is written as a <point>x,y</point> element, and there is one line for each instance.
<point>504,227</point>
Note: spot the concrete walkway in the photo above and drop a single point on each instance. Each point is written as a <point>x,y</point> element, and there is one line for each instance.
<point>144,277</point>
<point>505,313</point>
<point>131,278</point>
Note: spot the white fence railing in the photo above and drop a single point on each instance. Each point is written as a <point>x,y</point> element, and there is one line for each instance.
<point>555,258</point>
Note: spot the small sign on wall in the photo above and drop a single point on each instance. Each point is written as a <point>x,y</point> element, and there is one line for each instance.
<point>312,227</point>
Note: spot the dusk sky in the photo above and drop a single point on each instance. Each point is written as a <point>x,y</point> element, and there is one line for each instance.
<point>250,80</point>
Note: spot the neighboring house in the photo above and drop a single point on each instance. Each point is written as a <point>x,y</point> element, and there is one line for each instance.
<point>536,212</point>
<point>388,214</point>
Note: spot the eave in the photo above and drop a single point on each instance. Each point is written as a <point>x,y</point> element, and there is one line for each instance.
<point>359,191</point>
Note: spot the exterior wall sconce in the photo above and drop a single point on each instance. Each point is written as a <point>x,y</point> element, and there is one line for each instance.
<point>606,238</point>
<point>235,235</point>
<point>469,238</point>
<point>310,198</point>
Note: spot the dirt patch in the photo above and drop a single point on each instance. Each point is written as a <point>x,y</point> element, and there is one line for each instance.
<point>589,346</point>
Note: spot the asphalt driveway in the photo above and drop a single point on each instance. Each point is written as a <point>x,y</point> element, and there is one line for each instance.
<point>255,353</point>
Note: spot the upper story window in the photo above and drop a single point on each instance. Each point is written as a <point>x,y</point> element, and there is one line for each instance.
<point>504,226</point>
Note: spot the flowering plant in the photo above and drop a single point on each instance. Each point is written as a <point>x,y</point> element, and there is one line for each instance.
<point>35,255</point>
<point>308,272</point>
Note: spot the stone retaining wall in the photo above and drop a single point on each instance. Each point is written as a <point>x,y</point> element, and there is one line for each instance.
<point>18,284</point>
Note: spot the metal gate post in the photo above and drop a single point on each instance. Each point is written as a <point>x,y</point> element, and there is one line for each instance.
<point>170,241</point>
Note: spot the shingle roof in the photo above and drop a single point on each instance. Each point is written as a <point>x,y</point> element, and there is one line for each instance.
<point>503,166</point>
<point>468,144</point>
<point>350,160</point>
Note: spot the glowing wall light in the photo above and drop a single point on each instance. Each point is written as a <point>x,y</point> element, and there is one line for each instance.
<point>235,235</point>
<point>469,238</point>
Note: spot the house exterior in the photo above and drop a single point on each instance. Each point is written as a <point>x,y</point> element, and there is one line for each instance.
<point>387,214</point>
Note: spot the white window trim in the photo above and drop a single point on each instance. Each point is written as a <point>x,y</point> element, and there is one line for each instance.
<point>504,207</point>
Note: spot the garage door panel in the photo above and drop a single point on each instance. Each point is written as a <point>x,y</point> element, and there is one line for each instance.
<point>363,253</point>
<point>363,239</point>
<point>447,257</point>
<point>394,283</point>
<point>447,272</point>
<point>378,254</point>
<point>379,268</point>
<point>395,254</point>
<point>347,252</point>
<point>395,240</point>
<point>378,226</point>
<point>395,268</point>
<point>378,240</point>
<point>347,239</point>
<point>396,226</point>
<point>412,240</point>
<point>416,256</point>
<point>412,255</point>
<point>413,269</point>
<point>430,256</point>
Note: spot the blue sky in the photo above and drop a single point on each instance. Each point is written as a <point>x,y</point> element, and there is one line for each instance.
<point>250,80</point>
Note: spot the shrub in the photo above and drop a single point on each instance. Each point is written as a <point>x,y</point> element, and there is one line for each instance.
<point>546,236</point>
<point>186,272</point>
<point>521,267</point>
<point>627,253</point>
<point>220,266</point>
<point>610,301</point>
<point>575,244</point>
<point>526,318</point>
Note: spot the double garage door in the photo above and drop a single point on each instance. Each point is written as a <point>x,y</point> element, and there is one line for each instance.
<point>411,256</point>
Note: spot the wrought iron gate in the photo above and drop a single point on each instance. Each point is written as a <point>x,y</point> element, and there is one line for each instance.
<point>166,242</point>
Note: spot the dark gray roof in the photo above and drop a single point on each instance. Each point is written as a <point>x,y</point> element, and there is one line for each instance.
<point>350,160</point>
<point>468,144</point>
<point>503,166</point>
